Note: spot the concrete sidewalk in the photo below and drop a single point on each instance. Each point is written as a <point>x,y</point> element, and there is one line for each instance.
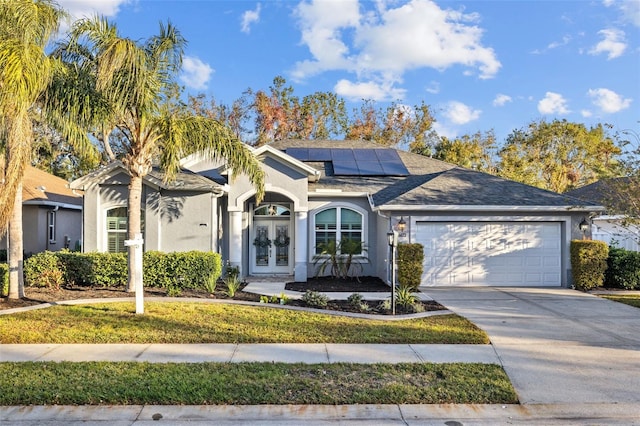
<point>276,352</point>
<point>315,415</point>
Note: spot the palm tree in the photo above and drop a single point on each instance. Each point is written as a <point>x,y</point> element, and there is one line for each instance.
<point>137,81</point>
<point>25,72</point>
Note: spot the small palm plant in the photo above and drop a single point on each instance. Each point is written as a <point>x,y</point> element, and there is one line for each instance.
<point>343,258</point>
<point>233,285</point>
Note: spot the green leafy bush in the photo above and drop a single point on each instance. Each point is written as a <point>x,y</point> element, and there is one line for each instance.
<point>410,258</point>
<point>315,299</point>
<point>43,270</point>
<point>588,263</point>
<point>4,279</point>
<point>623,269</point>
<point>100,269</point>
<point>343,259</point>
<point>192,269</point>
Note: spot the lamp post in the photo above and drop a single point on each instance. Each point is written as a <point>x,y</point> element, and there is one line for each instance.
<point>584,227</point>
<point>392,239</point>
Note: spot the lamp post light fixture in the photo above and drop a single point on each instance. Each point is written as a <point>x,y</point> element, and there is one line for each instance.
<point>584,227</point>
<point>392,237</point>
<point>401,227</point>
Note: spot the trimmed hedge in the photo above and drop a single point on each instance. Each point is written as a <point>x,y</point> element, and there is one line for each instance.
<point>165,270</point>
<point>189,269</point>
<point>623,269</point>
<point>588,263</point>
<point>4,279</point>
<point>410,258</point>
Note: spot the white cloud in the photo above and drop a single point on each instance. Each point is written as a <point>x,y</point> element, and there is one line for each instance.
<point>249,17</point>
<point>88,8</point>
<point>195,73</point>
<point>459,113</point>
<point>556,44</point>
<point>586,113</point>
<point>367,90</point>
<point>553,103</point>
<point>501,99</point>
<point>630,10</point>
<point>433,88</point>
<point>613,43</point>
<point>608,101</point>
<point>381,45</point>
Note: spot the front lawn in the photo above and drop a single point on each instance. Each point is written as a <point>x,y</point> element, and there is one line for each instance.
<point>628,299</point>
<point>104,383</point>
<point>178,322</point>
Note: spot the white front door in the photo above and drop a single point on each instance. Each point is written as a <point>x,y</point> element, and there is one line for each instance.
<point>271,246</point>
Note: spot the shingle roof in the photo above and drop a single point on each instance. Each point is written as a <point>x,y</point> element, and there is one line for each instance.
<point>609,192</point>
<point>39,186</point>
<point>185,179</point>
<point>433,182</point>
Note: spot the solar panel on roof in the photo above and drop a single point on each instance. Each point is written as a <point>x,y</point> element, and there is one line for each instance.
<point>365,154</point>
<point>342,154</point>
<point>319,154</point>
<point>345,168</point>
<point>370,168</point>
<point>387,154</point>
<point>393,168</point>
<point>301,154</point>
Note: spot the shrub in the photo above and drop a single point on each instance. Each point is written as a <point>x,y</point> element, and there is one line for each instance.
<point>315,299</point>
<point>39,270</point>
<point>192,269</point>
<point>211,283</point>
<point>355,300</point>
<point>233,285</point>
<point>405,297</point>
<point>623,269</point>
<point>410,258</point>
<point>344,259</point>
<point>588,263</point>
<point>4,279</point>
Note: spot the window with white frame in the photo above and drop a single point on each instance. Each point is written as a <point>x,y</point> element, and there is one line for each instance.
<point>337,224</point>
<point>116,229</point>
<point>51,226</point>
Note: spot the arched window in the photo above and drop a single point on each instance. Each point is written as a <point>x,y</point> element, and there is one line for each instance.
<point>117,229</point>
<point>337,224</point>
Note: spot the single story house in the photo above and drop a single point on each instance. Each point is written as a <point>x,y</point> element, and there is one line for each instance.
<point>51,213</point>
<point>611,226</point>
<point>476,229</point>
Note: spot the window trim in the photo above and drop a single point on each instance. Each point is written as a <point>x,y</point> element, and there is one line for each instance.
<point>338,206</point>
<point>51,226</point>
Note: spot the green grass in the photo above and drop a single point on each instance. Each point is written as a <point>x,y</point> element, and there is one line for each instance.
<point>628,299</point>
<point>222,323</point>
<point>102,383</point>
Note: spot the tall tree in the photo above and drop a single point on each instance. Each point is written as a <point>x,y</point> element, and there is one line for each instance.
<point>477,151</point>
<point>25,72</point>
<point>279,114</point>
<point>137,80</point>
<point>397,125</point>
<point>558,155</point>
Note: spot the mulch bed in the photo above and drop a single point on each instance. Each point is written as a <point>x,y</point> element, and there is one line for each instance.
<point>36,295</point>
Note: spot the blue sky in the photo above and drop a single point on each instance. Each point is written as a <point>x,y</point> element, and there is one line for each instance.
<point>479,65</point>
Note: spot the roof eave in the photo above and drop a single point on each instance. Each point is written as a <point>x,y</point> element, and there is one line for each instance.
<point>488,208</point>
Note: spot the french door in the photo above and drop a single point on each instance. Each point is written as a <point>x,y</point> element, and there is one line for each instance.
<point>271,247</point>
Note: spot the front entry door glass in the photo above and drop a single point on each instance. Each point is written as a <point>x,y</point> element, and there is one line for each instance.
<point>271,246</point>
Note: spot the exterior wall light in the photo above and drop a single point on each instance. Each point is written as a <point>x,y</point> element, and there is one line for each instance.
<point>584,227</point>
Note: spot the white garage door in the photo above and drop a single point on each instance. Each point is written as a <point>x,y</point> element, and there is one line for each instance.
<point>490,253</point>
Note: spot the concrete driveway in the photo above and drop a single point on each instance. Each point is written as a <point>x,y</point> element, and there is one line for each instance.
<point>557,345</point>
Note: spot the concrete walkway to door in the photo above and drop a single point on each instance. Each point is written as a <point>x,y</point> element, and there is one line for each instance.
<point>556,345</point>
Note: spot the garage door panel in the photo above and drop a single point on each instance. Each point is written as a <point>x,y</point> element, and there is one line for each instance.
<point>491,253</point>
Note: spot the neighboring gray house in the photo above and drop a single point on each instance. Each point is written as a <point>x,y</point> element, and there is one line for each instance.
<point>611,226</point>
<point>51,213</point>
<point>476,229</point>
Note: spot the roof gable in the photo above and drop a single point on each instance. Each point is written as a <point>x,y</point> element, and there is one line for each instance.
<point>40,187</point>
